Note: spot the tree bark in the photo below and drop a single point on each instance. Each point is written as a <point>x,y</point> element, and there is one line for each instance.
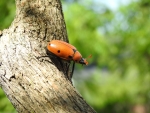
<point>32,84</point>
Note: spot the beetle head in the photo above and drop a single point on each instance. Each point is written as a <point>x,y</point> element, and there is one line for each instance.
<point>83,61</point>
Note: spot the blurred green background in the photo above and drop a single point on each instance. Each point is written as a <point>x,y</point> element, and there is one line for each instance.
<point>117,35</point>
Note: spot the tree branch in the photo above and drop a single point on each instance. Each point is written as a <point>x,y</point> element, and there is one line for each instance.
<point>34,85</point>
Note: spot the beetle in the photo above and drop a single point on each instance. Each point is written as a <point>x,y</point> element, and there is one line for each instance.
<point>66,52</point>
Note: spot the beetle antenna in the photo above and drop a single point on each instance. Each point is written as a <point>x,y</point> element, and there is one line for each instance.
<point>90,56</point>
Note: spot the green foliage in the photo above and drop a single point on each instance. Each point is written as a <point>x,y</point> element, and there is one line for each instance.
<point>131,35</point>
<point>120,44</point>
<point>7,12</point>
<point>5,105</point>
<point>105,90</point>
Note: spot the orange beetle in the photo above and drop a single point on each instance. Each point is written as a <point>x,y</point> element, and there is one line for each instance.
<point>65,51</point>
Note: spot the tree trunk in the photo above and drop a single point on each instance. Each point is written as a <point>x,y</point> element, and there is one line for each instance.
<point>32,84</point>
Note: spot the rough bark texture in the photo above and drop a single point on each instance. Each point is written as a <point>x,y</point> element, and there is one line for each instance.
<point>31,84</point>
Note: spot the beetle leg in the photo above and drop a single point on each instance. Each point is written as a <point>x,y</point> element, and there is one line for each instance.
<point>68,72</point>
<point>71,75</point>
<point>49,54</point>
